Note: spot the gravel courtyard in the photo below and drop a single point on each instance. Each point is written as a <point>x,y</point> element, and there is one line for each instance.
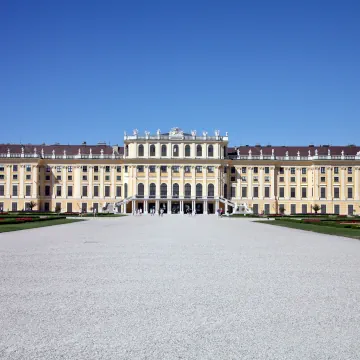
<point>178,287</point>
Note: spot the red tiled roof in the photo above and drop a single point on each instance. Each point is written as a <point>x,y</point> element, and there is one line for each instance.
<point>293,150</point>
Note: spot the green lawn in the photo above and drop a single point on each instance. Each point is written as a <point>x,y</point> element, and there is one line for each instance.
<point>35,224</point>
<point>322,229</point>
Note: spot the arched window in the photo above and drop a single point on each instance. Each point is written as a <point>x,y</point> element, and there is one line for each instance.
<point>199,150</point>
<point>176,150</point>
<point>187,191</point>
<point>163,191</point>
<point>225,191</point>
<point>198,190</point>
<point>140,191</point>
<point>126,191</point>
<point>175,191</point>
<point>210,151</point>
<point>141,150</point>
<point>210,190</point>
<point>152,150</point>
<point>163,150</point>
<point>187,151</point>
<point>152,192</point>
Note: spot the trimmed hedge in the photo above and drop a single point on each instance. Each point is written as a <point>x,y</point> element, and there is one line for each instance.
<point>21,220</point>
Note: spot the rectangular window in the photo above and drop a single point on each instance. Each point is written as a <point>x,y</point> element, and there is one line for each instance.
<point>84,207</point>
<point>2,168</point>
<point>292,179</point>
<point>244,192</point>
<point>336,170</point>
<point>281,208</point>
<point>303,171</point>
<point>281,179</point>
<point>256,208</point>
<point>292,192</point>
<point>337,209</point>
<point>349,193</point>
<point>58,169</point>
<point>118,178</point>
<point>292,171</point>
<point>58,191</point>
<point>225,169</point>
<point>96,169</point>
<point>2,190</point>
<point>126,168</point>
<point>243,178</point>
<point>28,190</point>
<point>304,192</point>
<point>96,178</point>
<point>303,179</point>
<point>48,169</point>
<point>233,170</point>
<point>304,209</point>
<point>118,191</point>
<point>281,170</point>
<point>15,190</point>
<point>243,170</point>
<point>118,169</point>
<point>70,177</point>
<point>255,191</point>
<point>233,192</point>
<point>187,169</point>
<point>107,177</point>
<point>15,168</point>
<point>175,169</point>
<point>323,192</point>
<point>152,168</point>
<point>69,207</point>
<point>322,179</point>
<point>84,168</point>
<point>28,167</point>
<point>267,178</point>
<point>336,193</point>
<point>350,209</point>
<point>293,209</point>
<point>350,179</point>
<point>96,190</point>
<point>107,190</point>
<point>255,179</point>
<point>58,207</point>
<point>256,170</point>
<point>267,170</point>
<point>163,169</point>
<point>84,190</point>
<point>28,177</point>
<point>84,177</point>
<point>336,179</point>
<point>70,191</point>
<point>15,177</point>
<point>198,169</point>
<point>47,206</point>
<point>58,178</point>
<point>14,206</point>
<point>323,209</point>
<point>281,192</point>
<point>267,191</point>
<point>233,178</point>
<point>47,190</point>
<point>267,209</point>
<point>322,170</point>
<point>140,168</point>
<point>2,177</point>
<point>210,169</point>
<point>107,169</point>
<point>69,169</point>
<point>349,170</point>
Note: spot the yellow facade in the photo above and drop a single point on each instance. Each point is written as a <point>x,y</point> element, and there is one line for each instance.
<point>178,172</point>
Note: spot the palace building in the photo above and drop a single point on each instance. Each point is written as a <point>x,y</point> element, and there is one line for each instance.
<point>180,172</point>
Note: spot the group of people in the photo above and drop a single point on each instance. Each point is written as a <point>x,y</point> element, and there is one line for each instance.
<point>220,212</point>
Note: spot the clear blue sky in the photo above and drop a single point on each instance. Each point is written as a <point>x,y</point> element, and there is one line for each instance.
<point>278,72</point>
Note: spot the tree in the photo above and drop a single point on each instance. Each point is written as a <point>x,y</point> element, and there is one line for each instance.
<point>316,208</point>
<point>31,205</point>
<point>57,208</point>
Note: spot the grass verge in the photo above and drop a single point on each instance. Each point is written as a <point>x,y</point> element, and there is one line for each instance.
<point>35,224</point>
<point>328,230</point>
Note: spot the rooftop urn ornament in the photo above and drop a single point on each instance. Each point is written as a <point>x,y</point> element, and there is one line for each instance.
<point>309,153</point>
<point>42,152</point>
<point>329,153</point>
<point>298,153</point>
<point>316,152</point>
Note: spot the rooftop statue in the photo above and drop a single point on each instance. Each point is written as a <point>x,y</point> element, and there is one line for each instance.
<point>217,132</point>
<point>135,132</point>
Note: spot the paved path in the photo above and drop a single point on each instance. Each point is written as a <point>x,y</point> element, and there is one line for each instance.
<point>178,288</point>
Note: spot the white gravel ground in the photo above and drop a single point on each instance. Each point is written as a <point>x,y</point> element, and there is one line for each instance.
<point>178,288</point>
